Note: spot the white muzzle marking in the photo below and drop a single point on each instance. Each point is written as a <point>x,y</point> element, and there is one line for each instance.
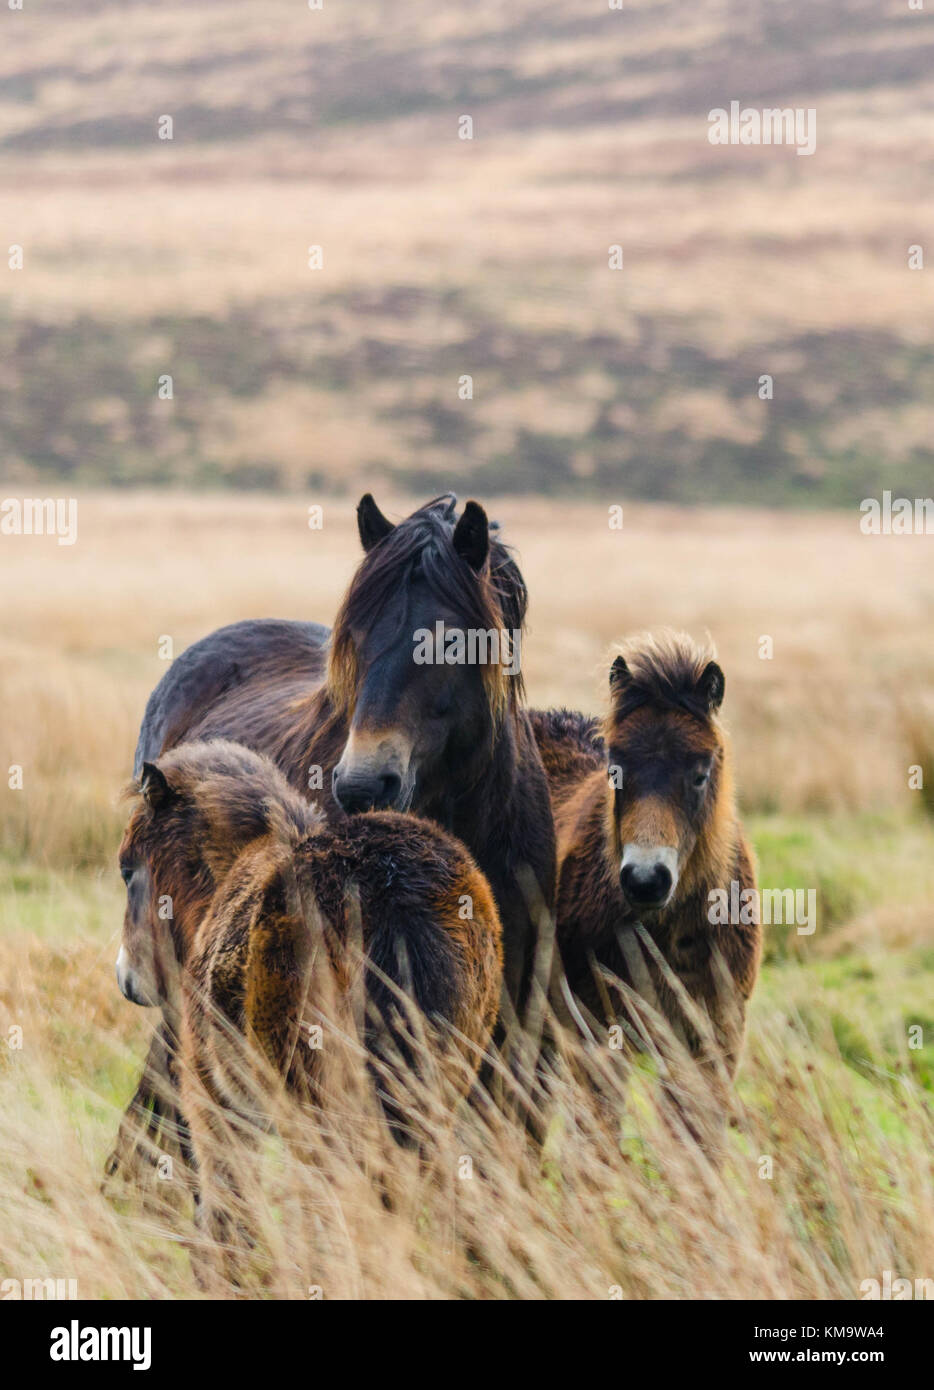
<point>644,859</point>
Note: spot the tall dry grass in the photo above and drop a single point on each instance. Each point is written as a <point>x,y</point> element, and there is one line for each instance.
<point>829,1089</point>
<point>807,1196</point>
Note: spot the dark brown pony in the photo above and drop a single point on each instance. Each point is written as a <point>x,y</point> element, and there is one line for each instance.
<point>649,841</point>
<point>280,922</point>
<point>354,721</point>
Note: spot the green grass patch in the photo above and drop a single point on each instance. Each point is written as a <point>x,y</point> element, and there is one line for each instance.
<point>851,861</point>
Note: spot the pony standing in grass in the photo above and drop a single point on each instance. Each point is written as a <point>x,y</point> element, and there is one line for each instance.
<point>355,722</point>
<point>278,925</point>
<point>649,845</point>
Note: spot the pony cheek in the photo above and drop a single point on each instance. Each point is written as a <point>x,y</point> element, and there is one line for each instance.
<point>439,746</point>
<point>686,849</point>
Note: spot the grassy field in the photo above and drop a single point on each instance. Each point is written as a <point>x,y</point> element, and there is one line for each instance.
<point>832,1088</point>
<point>145,257</point>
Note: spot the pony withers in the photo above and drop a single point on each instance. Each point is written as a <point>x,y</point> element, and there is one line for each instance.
<point>647,833</point>
<point>279,924</point>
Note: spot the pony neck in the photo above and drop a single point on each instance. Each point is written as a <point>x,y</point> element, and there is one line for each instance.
<point>475,814</point>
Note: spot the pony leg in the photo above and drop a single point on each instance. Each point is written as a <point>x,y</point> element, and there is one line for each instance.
<point>152,1123</point>
<point>223,1152</point>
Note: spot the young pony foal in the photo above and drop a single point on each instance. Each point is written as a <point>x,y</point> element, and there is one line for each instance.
<point>279,922</point>
<point>647,830</point>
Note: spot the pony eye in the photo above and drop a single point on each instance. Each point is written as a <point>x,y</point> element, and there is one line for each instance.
<point>126,873</point>
<point>700,779</point>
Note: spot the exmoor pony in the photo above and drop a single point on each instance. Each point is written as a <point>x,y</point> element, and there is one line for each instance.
<point>279,922</point>
<point>647,830</point>
<point>354,722</point>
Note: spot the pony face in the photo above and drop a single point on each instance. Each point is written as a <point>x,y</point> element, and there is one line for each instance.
<point>162,881</point>
<point>197,808</point>
<point>411,720</point>
<point>666,769</point>
<point>143,956</point>
<point>424,655</point>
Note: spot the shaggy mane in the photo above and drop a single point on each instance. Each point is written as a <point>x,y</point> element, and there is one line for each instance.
<point>665,668</point>
<point>583,732</point>
<point>236,788</point>
<point>422,544</point>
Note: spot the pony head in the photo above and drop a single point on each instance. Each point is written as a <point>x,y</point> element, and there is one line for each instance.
<point>424,655</point>
<point>195,809</point>
<point>668,768</point>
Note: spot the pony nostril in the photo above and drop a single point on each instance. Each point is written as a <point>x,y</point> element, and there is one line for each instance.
<point>645,885</point>
<point>663,880</point>
<point>351,796</point>
<point>392,785</point>
<point>367,793</point>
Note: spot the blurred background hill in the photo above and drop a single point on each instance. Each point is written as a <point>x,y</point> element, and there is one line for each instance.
<point>445,258</point>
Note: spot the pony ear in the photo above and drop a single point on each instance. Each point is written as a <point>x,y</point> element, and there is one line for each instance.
<point>711,686</point>
<point>619,673</point>
<point>472,536</point>
<point>154,787</point>
<point>371,523</point>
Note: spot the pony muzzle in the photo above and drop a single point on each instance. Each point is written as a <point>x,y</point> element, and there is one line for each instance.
<point>648,876</point>
<point>131,985</point>
<point>373,775</point>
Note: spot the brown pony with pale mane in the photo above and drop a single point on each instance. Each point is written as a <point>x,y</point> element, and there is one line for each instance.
<point>648,833</point>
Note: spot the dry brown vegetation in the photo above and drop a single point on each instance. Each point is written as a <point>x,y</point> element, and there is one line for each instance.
<point>827,723</point>
<point>617,1205</point>
<point>829,1089</point>
<point>488,257</point>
